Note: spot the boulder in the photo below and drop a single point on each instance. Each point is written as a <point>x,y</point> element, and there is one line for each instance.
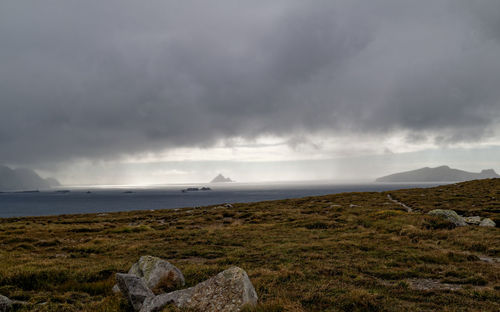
<point>156,273</point>
<point>5,304</point>
<point>134,289</point>
<point>449,215</point>
<point>228,291</point>
<point>487,222</point>
<point>473,220</point>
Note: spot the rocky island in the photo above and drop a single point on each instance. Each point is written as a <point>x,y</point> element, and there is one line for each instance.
<point>220,179</point>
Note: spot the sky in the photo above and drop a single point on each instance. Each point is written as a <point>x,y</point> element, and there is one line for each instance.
<point>141,92</point>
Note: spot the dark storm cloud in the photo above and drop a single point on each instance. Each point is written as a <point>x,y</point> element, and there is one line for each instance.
<point>96,79</point>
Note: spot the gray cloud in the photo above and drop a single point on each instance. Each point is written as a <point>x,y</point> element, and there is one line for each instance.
<point>97,79</point>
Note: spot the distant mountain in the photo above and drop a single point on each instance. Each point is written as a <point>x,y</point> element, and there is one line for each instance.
<point>23,179</point>
<point>221,178</point>
<point>53,182</point>
<point>438,174</point>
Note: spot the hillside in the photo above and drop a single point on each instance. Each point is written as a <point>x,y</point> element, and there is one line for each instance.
<point>343,252</point>
<point>438,174</point>
<point>23,179</point>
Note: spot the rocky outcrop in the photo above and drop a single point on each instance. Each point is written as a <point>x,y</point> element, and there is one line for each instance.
<point>449,215</point>
<point>134,289</point>
<point>156,273</point>
<point>487,222</point>
<point>228,291</point>
<point>5,304</point>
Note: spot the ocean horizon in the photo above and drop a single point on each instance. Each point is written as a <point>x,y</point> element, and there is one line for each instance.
<point>103,199</point>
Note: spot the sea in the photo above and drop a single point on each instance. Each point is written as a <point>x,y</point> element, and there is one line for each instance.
<point>99,199</point>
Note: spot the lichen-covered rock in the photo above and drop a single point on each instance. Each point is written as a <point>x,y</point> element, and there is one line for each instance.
<point>153,270</point>
<point>228,291</point>
<point>134,289</point>
<point>487,222</point>
<point>449,215</point>
<point>5,304</point>
<point>156,273</point>
<point>473,220</point>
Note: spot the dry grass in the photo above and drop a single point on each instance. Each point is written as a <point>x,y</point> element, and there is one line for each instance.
<point>304,254</point>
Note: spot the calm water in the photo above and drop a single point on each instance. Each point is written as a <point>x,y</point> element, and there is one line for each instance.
<point>92,200</point>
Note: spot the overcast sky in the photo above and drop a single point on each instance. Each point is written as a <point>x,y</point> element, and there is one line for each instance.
<point>176,91</point>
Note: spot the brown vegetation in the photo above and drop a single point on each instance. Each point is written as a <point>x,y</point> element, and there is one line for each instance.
<point>308,254</point>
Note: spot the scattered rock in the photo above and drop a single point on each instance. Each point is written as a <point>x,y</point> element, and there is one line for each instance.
<point>156,273</point>
<point>473,220</point>
<point>228,291</point>
<point>449,215</point>
<point>228,206</point>
<point>431,284</point>
<point>489,259</point>
<point>405,207</point>
<point>5,304</point>
<point>487,222</point>
<point>134,289</point>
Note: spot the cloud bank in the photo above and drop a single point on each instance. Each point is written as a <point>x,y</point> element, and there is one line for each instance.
<point>100,79</point>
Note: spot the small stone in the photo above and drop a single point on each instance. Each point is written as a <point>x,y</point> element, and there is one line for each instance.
<point>5,304</point>
<point>487,222</point>
<point>489,259</point>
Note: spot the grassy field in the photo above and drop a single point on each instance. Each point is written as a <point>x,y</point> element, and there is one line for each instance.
<point>343,252</point>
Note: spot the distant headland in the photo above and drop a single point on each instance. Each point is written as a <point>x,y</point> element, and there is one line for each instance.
<point>438,174</point>
<point>23,179</point>
<point>220,178</point>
